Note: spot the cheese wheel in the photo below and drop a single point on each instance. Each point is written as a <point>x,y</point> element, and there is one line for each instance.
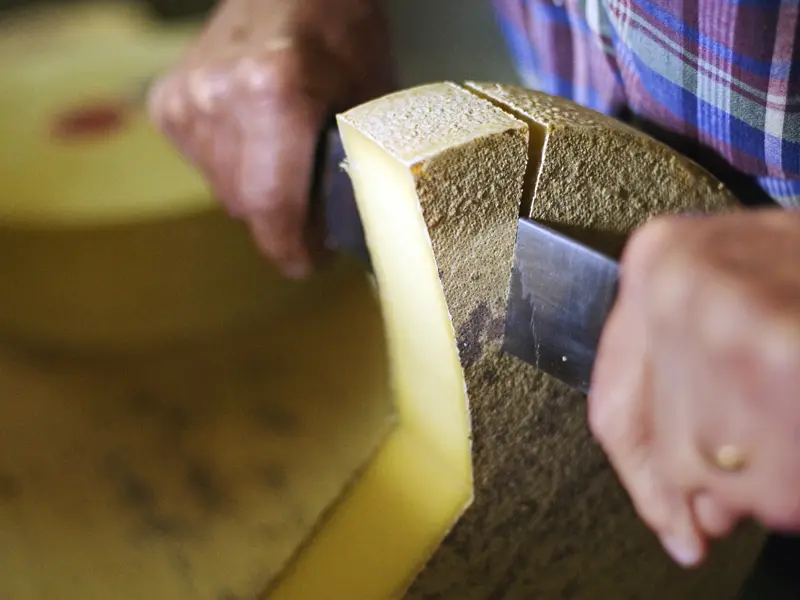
<point>108,238</point>
<point>196,470</point>
<point>441,173</point>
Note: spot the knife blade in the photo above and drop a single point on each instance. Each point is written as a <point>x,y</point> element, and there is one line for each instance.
<point>561,292</point>
<point>333,201</point>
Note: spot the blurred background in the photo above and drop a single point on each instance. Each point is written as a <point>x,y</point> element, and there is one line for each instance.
<point>446,44</point>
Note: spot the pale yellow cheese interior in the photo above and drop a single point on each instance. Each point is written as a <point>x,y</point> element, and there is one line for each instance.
<point>194,472</point>
<point>421,481</point>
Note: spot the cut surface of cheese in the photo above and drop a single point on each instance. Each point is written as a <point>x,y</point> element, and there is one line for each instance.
<point>196,471</point>
<point>441,173</point>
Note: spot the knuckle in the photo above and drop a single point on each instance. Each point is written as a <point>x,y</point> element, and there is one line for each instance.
<point>647,242</point>
<point>191,94</point>
<point>658,268</point>
<point>602,424</point>
<point>255,75</point>
<point>780,347</point>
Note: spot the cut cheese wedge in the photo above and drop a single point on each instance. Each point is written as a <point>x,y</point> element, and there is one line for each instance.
<point>441,174</point>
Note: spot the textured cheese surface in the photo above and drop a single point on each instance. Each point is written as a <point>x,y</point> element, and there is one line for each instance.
<point>636,178</point>
<point>549,519</point>
<point>193,472</point>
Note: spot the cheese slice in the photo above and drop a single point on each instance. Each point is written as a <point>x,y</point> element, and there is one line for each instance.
<point>441,174</point>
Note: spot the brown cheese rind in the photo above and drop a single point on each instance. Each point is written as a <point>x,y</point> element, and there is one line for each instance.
<point>600,173</point>
<point>549,519</point>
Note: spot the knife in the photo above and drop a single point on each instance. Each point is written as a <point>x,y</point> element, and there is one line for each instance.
<point>562,286</point>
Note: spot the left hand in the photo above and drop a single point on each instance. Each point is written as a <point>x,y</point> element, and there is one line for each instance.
<point>249,99</point>
<point>696,391</point>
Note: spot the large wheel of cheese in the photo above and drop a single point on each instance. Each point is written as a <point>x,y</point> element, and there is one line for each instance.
<point>107,237</point>
<point>442,173</point>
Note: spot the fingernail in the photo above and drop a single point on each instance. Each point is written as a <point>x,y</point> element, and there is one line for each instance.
<point>685,552</point>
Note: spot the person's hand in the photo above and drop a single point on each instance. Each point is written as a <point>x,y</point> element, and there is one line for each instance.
<point>247,103</point>
<point>695,395</point>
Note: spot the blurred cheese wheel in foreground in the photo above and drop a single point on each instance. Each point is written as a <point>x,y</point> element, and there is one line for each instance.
<point>107,237</point>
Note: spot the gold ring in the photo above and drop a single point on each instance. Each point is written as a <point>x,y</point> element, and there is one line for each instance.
<point>729,458</point>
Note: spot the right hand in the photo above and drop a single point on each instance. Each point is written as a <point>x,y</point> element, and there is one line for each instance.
<point>247,103</point>
<point>694,393</point>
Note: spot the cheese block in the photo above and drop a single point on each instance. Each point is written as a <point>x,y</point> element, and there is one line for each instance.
<point>441,173</point>
<point>196,470</point>
<point>108,238</point>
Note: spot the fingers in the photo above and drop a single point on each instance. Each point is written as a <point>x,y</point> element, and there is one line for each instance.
<point>274,181</point>
<point>714,518</point>
<point>621,419</point>
<point>620,405</point>
<point>257,154</point>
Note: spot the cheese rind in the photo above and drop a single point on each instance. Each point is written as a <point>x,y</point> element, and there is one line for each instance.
<point>600,173</point>
<point>549,518</point>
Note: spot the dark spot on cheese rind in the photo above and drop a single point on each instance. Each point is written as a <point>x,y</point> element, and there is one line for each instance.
<point>205,487</point>
<point>470,335</point>
<point>131,489</point>
<point>137,495</point>
<point>181,563</point>
<point>276,419</point>
<point>9,487</point>
<point>496,328</point>
<point>479,328</point>
<point>146,403</point>
<point>274,476</point>
<point>228,595</point>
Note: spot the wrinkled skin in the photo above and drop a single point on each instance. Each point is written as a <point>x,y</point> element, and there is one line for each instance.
<point>702,351</point>
<point>248,101</point>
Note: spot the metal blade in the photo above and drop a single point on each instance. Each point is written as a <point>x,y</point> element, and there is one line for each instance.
<point>561,290</point>
<point>561,294</point>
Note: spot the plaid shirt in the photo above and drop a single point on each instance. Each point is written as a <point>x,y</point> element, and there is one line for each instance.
<point>720,79</point>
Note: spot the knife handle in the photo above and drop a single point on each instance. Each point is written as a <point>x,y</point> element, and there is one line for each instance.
<point>333,212</point>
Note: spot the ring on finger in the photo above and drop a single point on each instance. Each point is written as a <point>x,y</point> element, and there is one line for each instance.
<point>727,457</point>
